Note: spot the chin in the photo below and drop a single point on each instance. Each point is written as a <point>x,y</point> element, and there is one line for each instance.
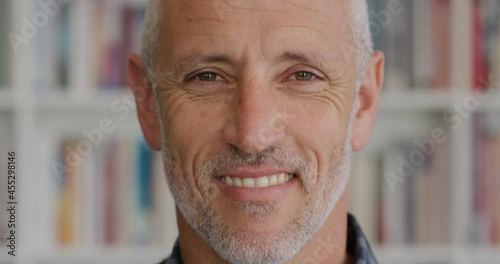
<point>251,246</point>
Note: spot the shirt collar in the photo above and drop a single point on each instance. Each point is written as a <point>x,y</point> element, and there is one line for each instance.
<point>357,245</point>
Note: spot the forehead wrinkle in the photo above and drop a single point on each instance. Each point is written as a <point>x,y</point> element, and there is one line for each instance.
<point>328,16</point>
<point>234,8</point>
<point>260,10</point>
<point>216,20</point>
<point>279,11</point>
<point>211,35</point>
<point>243,8</point>
<point>331,41</point>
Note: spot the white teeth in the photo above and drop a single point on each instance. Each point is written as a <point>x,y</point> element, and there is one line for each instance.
<point>248,183</point>
<point>261,182</point>
<point>281,178</point>
<point>229,181</point>
<point>273,180</point>
<point>237,182</point>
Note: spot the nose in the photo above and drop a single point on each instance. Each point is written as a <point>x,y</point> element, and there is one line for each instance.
<point>257,122</point>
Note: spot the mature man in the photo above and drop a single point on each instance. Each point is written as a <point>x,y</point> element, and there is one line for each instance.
<point>256,107</point>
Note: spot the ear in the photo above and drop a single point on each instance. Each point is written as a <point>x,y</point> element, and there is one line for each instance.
<point>368,99</point>
<point>145,101</point>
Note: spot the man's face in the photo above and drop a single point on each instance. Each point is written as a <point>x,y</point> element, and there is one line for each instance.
<point>251,94</point>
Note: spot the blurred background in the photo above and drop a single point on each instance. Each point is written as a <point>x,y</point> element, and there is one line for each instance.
<point>91,191</point>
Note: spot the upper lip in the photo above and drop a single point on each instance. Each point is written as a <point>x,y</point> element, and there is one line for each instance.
<point>253,172</point>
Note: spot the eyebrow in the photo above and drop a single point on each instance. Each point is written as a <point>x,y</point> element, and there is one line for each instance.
<point>190,61</point>
<point>187,62</point>
<point>315,59</point>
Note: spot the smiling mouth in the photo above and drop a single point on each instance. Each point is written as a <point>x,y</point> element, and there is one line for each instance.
<point>258,183</point>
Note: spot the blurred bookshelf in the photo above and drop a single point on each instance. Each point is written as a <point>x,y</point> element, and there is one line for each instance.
<point>443,210</point>
<point>6,122</point>
<point>63,82</point>
<point>4,55</point>
<point>486,213</point>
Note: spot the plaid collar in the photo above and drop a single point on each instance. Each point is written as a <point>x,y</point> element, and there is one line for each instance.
<point>357,246</point>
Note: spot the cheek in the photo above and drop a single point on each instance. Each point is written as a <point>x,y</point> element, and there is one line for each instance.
<point>193,128</point>
<point>319,126</point>
<point>319,131</point>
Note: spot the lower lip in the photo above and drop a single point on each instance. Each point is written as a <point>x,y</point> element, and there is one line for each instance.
<point>271,193</point>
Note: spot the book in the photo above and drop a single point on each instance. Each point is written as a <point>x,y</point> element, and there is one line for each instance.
<point>486,48</point>
<point>485,228</point>
<point>415,41</point>
<point>415,210</point>
<point>114,196</point>
<point>86,46</point>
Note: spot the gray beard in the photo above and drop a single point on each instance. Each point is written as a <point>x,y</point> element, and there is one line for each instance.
<point>246,247</point>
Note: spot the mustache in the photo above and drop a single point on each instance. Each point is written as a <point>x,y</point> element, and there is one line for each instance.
<point>233,158</point>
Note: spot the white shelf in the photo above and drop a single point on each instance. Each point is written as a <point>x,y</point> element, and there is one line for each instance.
<point>438,254</point>
<point>386,255</point>
<point>414,101</point>
<point>484,255</point>
<point>63,102</point>
<point>6,99</point>
<point>491,104</point>
<point>8,260</point>
<point>414,255</point>
<point>418,101</point>
<point>105,255</point>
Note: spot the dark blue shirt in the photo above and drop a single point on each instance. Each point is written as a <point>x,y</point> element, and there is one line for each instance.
<point>357,245</point>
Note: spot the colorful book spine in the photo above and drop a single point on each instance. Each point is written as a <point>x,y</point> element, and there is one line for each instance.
<point>415,211</point>
<point>485,228</point>
<point>110,36</point>
<point>116,195</point>
<point>415,41</point>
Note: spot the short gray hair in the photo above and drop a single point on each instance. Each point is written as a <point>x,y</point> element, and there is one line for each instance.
<point>360,29</point>
<point>150,36</point>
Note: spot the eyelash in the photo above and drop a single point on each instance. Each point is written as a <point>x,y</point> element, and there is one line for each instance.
<point>315,76</point>
<point>193,78</point>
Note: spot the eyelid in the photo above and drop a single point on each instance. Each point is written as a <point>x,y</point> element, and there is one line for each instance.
<point>191,77</point>
<point>314,73</point>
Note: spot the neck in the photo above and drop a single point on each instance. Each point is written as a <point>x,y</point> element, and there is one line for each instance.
<point>193,248</point>
<point>328,245</point>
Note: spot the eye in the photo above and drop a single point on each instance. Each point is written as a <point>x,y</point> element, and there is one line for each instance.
<point>207,77</point>
<point>304,76</point>
<point>304,80</point>
<point>207,83</point>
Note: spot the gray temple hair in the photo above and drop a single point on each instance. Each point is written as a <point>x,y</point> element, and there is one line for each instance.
<point>360,29</point>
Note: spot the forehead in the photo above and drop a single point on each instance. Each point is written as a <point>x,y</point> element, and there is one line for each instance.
<point>266,26</point>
